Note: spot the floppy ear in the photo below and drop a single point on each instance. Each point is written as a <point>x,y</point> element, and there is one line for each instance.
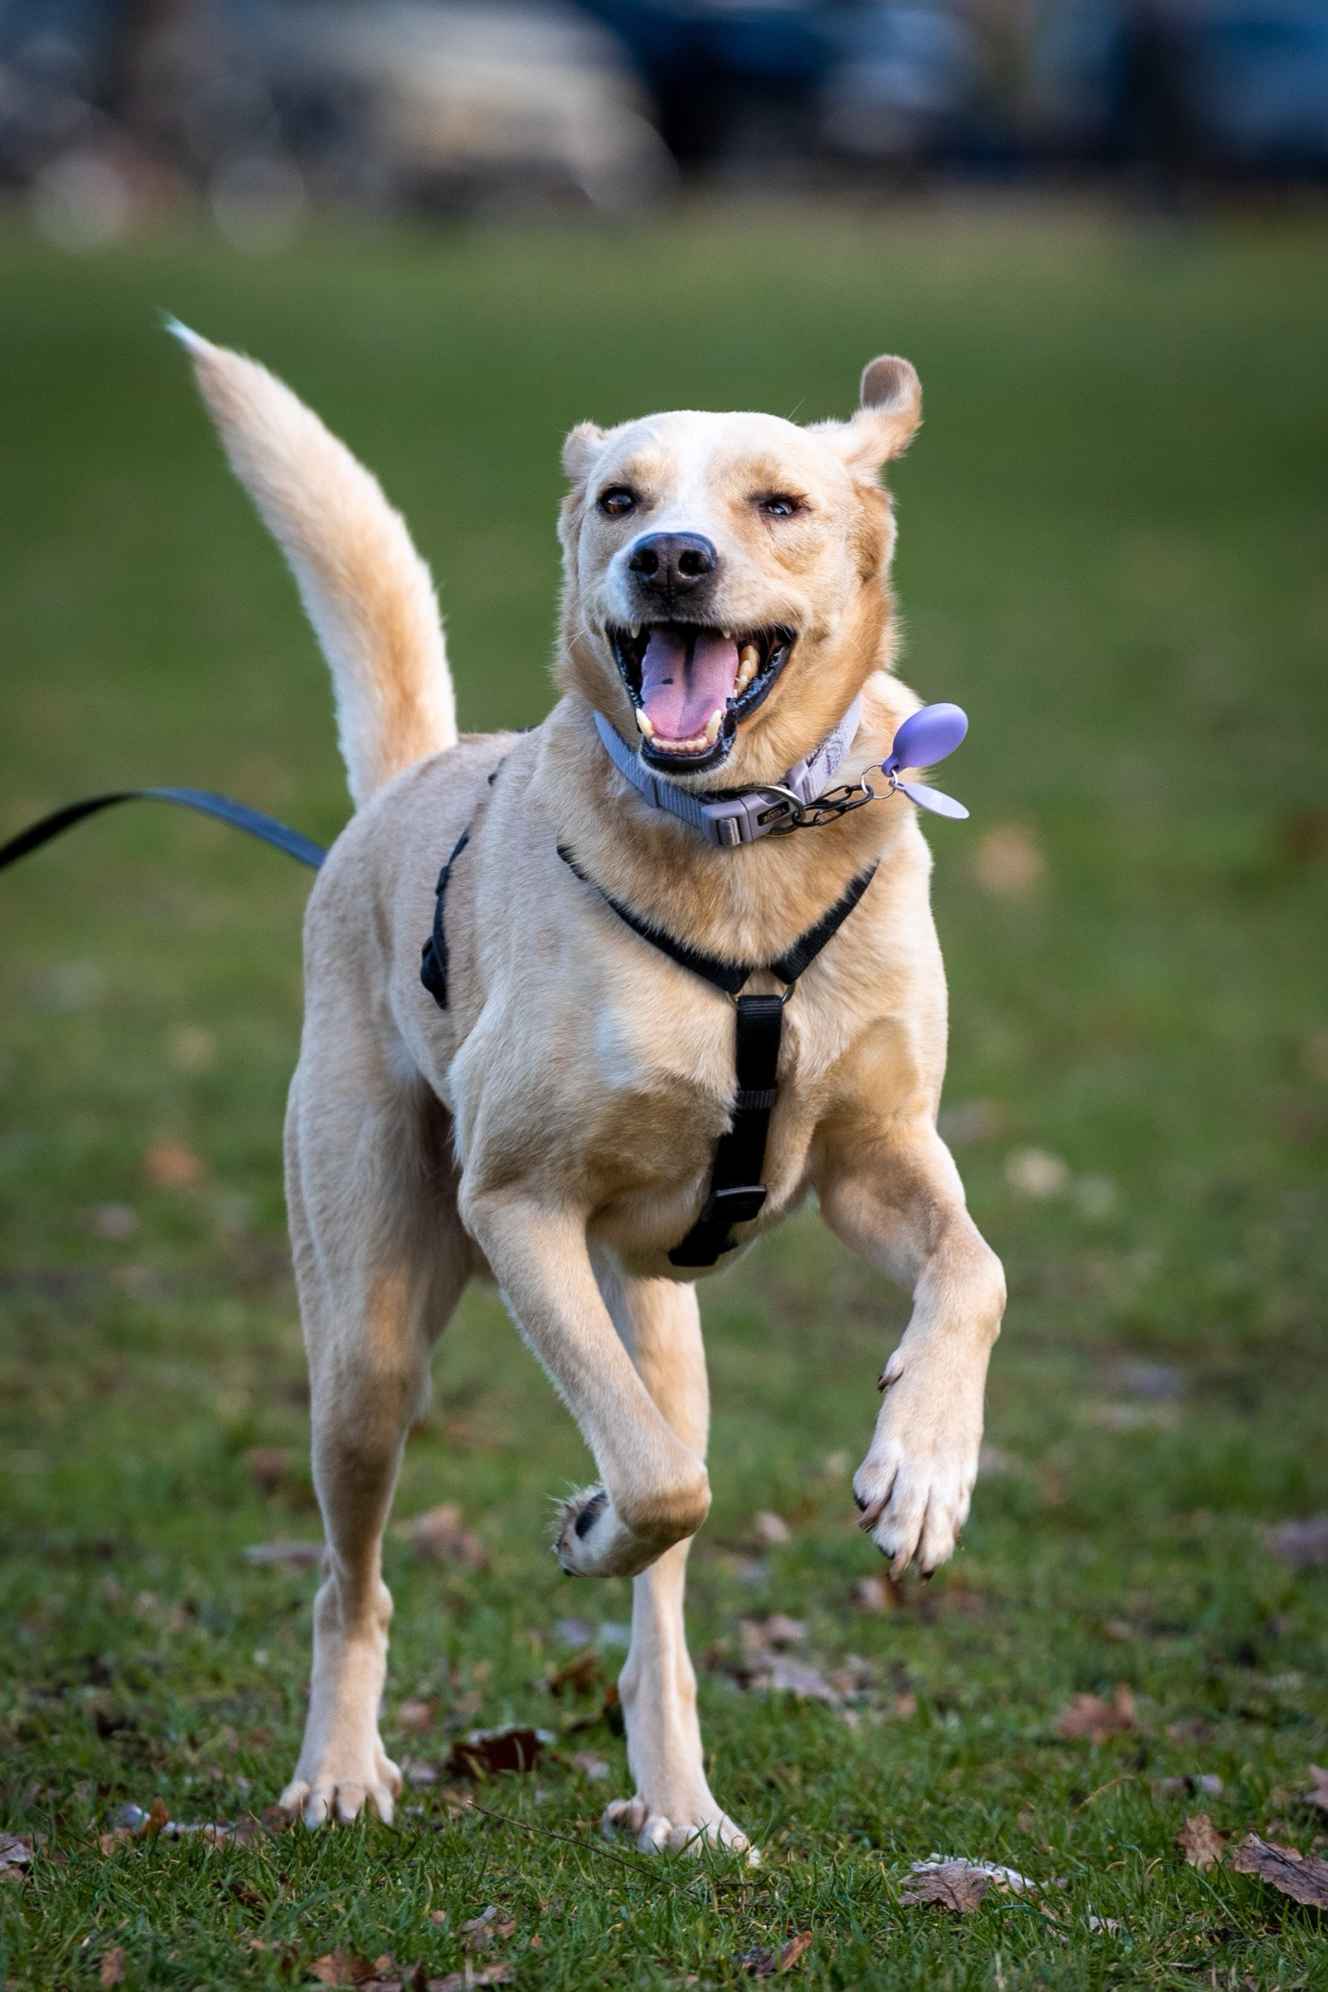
<point>582,446</point>
<point>887,421</point>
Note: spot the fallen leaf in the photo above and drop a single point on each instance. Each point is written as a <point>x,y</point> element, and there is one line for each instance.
<point>1089,1717</point>
<point>1301,1877</point>
<point>487,1751</point>
<point>290,1555</point>
<point>416,1716</point>
<point>461,1981</point>
<point>1302,1544</point>
<point>1035,1173</point>
<point>1200,1841</point>
<point>1008,861</point>
<point>268,1466</point>
<point>795,1950</point>
<point>877,1593</point>
<point>115,1221</point>
<point>486,1929</point>
<point>341,1968</point>
<point>1194,1782</point>
<point>1318,1791</point>
<point>770,1530</point>
<point>778,1630</point>
<point>1099,1924</point>
<point>15,1857</point>
<point>590,1766</point>
<point>956,1885</point>
<point>169,1165</point>
<point>112,1967</point>
<point>440,1535</point>
<point>580,1674</point>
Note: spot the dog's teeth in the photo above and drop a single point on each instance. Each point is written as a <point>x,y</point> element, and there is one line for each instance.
<point>643,721</point>
<point>713,724</point>
<point>727,635</point>
<point>749,657</point>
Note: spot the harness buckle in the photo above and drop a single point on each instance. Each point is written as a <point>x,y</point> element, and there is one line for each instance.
<point>736,1206</point>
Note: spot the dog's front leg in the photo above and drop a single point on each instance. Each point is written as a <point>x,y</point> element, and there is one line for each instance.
<point>673,1807</point>
<point>895,1196</point>
<point>653,1490</point>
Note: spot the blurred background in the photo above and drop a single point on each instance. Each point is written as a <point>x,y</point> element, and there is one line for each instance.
<point>114,113</point>
<point>1099,232</point>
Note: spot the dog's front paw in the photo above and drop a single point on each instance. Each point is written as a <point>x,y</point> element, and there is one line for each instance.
<point>340,1788</point>
<point>589,1540</point>
<point>915,1485</point>
<point>657,1833</point>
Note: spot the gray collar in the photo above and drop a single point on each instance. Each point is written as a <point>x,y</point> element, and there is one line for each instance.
<point>744,815</point>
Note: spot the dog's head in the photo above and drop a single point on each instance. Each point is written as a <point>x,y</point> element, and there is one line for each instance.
<point>726,577</point>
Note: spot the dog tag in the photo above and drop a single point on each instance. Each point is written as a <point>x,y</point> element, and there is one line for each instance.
<point>936,800</point>
<point>926,737</point>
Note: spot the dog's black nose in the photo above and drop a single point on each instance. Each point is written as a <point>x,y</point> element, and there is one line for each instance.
<point>671,563</point>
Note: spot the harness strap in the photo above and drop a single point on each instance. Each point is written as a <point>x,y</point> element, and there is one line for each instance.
<point>736,1193</point>
<point>223,807</point>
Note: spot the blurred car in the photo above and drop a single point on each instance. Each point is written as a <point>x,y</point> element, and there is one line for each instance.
<point>1209,83</point>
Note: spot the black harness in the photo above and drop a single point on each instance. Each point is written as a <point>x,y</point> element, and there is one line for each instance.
<point>736,1192</point>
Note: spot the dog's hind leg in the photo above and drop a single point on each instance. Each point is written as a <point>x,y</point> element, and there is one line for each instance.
<point>673,1806</point>
<point>380,1261</point>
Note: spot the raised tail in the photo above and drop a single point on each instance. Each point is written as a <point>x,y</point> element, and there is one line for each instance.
<point>364,587</point>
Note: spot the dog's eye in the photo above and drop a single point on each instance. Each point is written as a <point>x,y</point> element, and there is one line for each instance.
<point>780,505</point>
<point>617,501</point>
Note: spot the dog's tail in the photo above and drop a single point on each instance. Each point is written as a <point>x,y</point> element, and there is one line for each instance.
<point>364,587</point>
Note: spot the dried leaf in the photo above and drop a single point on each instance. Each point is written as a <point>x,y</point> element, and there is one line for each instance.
<point>169,1165</point>
<point>486,1929</point>
<point>1200,1841</point>
<point>769,1530</point>
<point>1192,1784</point>
<point>1089,1717</point>
<point>112,1967</point>
<point>956,1885</point>
<point>1035,1173</point>
<point>1302,1544</point>
<point>15,1857</point>
<point>290,1555</point>
<point>1318,1791</point>
<point>778,1630</point>
<point>461,1981</point>
<point>268,1466</point>
<point>416,1716</point>
<point>439,1534</point>
<point>487,1751</point>
<point>581,1674</point>
<point>1008,861</point>
<point>341,1968</point>
<point>1300,1876</point>
<point>795,1950</point>
<point>590,1766</point>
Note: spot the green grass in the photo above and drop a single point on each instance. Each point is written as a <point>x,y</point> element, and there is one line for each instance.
<point>1112,537</point>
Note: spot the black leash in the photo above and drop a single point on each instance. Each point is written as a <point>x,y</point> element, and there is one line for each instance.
<point>736,1192</point>
<point>223,807</point>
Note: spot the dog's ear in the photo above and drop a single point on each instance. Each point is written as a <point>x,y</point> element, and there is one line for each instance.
<point>582,446</point>
<point>887,421</point>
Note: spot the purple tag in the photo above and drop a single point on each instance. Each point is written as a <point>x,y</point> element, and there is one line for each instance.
<point>926,737</point>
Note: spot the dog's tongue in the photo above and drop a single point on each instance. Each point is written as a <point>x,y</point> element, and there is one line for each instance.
<point>685,676</point>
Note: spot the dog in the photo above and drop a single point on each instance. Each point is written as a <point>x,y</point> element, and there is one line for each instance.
<point>549,1118</point>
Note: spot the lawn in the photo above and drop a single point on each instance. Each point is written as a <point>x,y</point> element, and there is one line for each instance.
<point>1112,534</point>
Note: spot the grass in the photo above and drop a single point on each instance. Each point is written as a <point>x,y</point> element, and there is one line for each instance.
<point>1111,553</point>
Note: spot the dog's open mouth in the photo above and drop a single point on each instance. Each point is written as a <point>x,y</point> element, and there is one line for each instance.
<point>693,686</point>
